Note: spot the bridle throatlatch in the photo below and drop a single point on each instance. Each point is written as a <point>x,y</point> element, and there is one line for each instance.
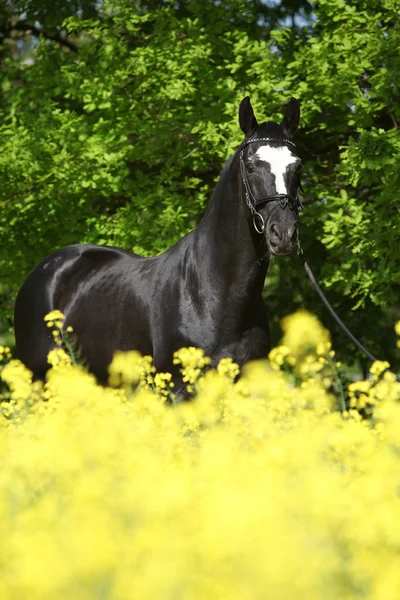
<point>252,202</point>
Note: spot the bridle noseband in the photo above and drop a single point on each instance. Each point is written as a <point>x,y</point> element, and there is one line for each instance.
<point>252,202</point>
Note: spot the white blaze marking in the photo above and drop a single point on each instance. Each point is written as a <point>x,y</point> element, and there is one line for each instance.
<point>279,159</point>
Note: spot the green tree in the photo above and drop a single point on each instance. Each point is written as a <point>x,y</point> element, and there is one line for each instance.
<point>120,138</point>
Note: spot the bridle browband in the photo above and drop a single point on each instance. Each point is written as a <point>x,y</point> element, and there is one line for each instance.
<point>252,202</point>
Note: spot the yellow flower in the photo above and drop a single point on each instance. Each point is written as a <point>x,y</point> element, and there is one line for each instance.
<point>302,332</point>
<point>125,368</point>
<point>397,330</point>
<point>55,318</point>
<point>279,356</point>
<point>58,356</point>
<point>227,368</point>
<point>193,361</point>
<point>360,387</point>
<point>110,490</point>
<point>378,367</point>
<point>18,378</point>
<point>323,348</point>
<point>5,353</point>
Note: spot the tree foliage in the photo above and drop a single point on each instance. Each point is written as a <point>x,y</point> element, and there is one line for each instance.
<point>120,139</point>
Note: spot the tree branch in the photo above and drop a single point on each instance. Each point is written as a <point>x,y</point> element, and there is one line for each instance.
<point>29,29</point>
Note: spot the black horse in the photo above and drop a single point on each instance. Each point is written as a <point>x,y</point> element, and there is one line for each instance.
<point>205,291</point>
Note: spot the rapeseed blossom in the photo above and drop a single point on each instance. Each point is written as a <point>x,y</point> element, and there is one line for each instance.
<point>193,362</point>
<point>303,333</point>
<point>260,487</point>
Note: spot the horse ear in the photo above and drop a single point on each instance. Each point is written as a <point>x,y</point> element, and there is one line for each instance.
<point>292,117</point>
<point>248,122</point>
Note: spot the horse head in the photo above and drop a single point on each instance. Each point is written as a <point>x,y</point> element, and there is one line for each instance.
<point>270,171</point>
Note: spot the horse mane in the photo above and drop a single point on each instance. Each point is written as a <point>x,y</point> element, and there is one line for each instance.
<point>229,161</point>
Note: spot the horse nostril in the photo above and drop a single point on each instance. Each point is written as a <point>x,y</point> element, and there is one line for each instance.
<point>275,233</point>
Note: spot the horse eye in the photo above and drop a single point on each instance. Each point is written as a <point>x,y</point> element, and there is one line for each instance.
<point>249,168</point>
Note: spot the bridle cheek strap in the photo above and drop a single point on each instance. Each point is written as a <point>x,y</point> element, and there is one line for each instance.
<point>258,220</point>
<point>252,202</point>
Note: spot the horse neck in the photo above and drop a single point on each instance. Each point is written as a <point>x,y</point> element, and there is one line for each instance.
<point>224,240</point>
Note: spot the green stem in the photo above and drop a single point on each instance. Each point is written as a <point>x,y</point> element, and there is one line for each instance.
<point>68,346</point>
<point>339,386</point>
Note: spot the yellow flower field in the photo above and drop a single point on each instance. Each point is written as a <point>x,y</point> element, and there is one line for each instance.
<point>272,487</point>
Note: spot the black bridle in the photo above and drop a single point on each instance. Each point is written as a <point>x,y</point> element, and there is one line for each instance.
<point>295,204</point>
<point>252,202</point>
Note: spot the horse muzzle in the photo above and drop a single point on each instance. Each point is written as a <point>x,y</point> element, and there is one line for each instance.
<point>281,241</point>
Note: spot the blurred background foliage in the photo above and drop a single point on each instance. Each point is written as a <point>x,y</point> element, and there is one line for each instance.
<point>116,118</point>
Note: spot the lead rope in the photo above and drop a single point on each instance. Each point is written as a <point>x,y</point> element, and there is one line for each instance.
<point>334,315</point>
